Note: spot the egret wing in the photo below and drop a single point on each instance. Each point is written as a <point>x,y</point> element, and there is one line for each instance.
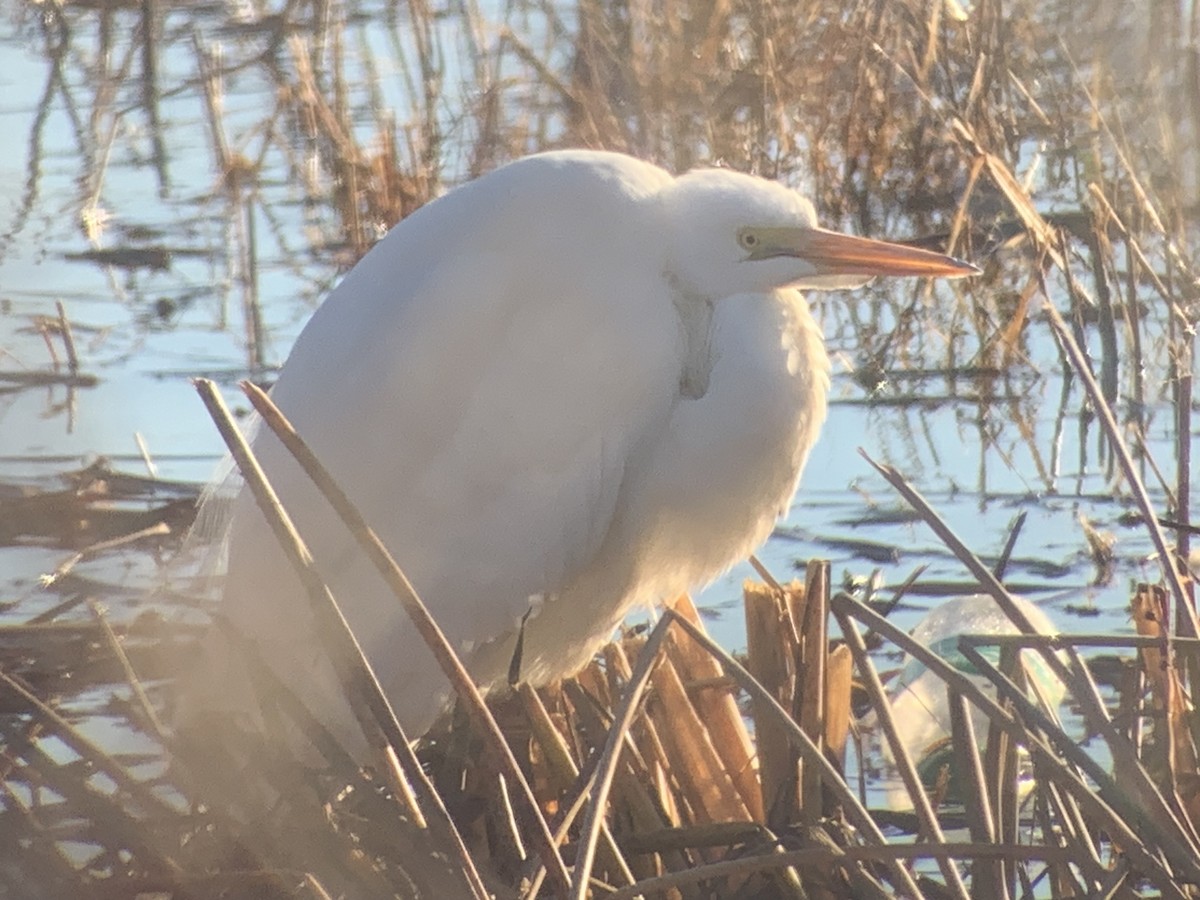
<point>481,411</point>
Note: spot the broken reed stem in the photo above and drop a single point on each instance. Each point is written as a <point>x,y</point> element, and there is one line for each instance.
<point>839,667</point>
<point>1075,676</point>
<point>1000,764</point>
<point>768,664</point>
<point>68,337</point>
<point>1002,761</point>
<point>765,574</point>
<point>1166,686</point>
<point>135,685</point>
<point>719,710</point>
<point>931,828</point>
<point>367,700</point>
<point>402,588</point>
<point>558,758</point>
<point>562,771</point>
<point>318,889</point>
<point>810,752</point>
<point>812,651</point>
<point>144,452</point>
<point>1121,827</point>
<point>1014,531</point>
<point>696,763</point>
<point>986,878</point>
<point>354,670</point>
<point>643,812</point>
<point>139,792</point>
<point>1059,814</point>
<point>606,767</point>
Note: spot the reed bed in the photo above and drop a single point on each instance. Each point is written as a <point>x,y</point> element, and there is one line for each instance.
<point>666,767</point>
<point>642,774</point>
<point>647,773</point>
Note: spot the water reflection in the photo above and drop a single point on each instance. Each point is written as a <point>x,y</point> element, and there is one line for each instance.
<point>194,179</point>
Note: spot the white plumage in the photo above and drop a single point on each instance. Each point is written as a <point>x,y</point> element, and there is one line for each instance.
<point>577,384</point>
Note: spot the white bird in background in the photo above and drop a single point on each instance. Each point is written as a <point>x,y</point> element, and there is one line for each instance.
<point>570,387</point>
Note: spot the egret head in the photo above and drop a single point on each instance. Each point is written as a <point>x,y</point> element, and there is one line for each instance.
<point>732,233</point>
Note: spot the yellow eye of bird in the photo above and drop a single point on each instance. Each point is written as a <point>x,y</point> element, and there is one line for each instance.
<point>748,239</point>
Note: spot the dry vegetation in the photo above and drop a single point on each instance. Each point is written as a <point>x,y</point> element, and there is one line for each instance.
<point>930,117</point>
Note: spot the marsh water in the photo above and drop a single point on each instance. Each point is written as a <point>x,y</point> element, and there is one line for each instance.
<point>166,178</point>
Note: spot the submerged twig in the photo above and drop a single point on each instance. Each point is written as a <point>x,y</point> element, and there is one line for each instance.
<point>135,683</point>
<point>68,336</point>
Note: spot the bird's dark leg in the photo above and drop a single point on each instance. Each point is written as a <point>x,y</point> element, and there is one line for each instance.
<point>514,664</point>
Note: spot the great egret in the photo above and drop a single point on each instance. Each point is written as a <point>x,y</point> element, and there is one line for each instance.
<point>572,386</point>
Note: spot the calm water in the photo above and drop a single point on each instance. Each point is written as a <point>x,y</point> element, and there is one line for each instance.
<point>84,140</point>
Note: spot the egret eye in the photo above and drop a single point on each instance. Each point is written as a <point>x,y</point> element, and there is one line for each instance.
<point>748,239</point>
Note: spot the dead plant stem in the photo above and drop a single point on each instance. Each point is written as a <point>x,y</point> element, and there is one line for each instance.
<point>809,751</point>
<point>606,768</point>
<point>367,700</point>
<point>455,672</point>
<point>1074,677</point>
<point>930,827</point>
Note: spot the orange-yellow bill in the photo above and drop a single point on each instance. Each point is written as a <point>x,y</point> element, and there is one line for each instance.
<point>843,254</point>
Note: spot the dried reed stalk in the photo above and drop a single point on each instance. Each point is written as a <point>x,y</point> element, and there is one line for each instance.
<point>367,700</point>
<point>607,765</point>
<point>808,750</point>
<point>717,709</point>
<point>810,614</point>
<point>1126,822</point>
<point>839,669</point>
<point>931,829</point>
<point>459,678</point>
<point>695,760</point>
<point>769,662</point>
<point>1175,835</point>
<point>1171,705</point>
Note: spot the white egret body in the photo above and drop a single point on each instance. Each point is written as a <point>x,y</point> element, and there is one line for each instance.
<point>575,385</point>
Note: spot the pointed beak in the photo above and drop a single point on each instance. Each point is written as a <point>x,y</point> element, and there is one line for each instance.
<point>833,253</point>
